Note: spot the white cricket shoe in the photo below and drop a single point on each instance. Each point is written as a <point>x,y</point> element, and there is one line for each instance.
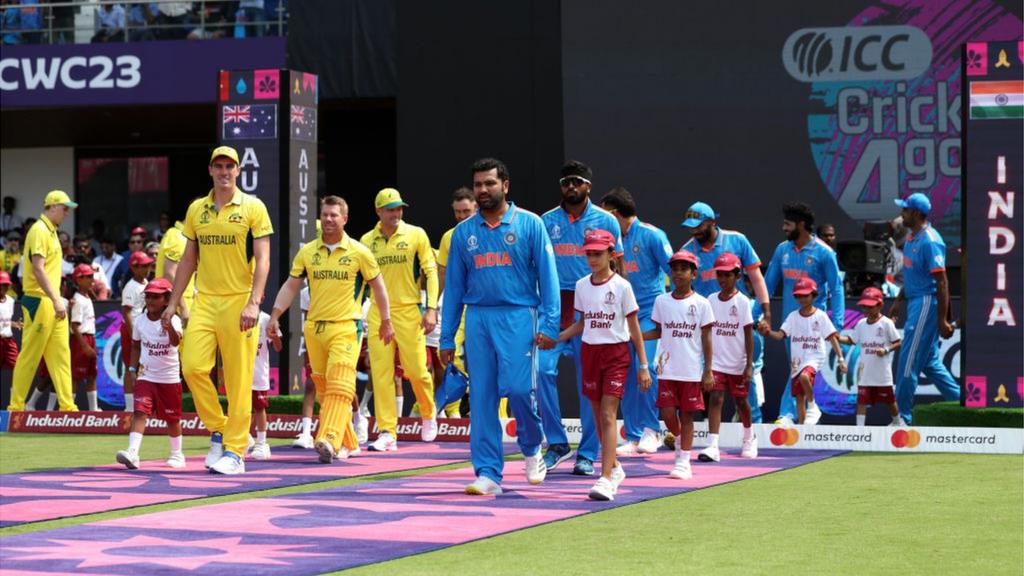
<point>216,452</point>
<point>749,449</point>
<point>618,475</point>
<point>429,429</point>
<point>483,486</point>
<point>229,464</point>
<point>783,421</point>
<point>682,470</point>
<point>710,454</point>
<point>603,490</point>
<point>812,416</point>
<point>129,459</point>
<point>176,460</point>
<point>362,425</point>
<point>325,450</point>
<point>249,447</point>
<point>304,441</point>
<point>261,451</point>
<point>345,453</point>
<point>385,442</point>
<point>536,470</point>
<point>649,442</point>
<point>628,449</point>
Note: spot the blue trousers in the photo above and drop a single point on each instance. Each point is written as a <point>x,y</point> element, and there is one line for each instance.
<point>551,411</point>
<point>920,353</point>
<point>503,362</point>
<point>638,409</point>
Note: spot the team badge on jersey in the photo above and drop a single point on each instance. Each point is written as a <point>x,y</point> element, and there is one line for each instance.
<point>733,311</point>
<point>691,311</point>
<point>510,238</point>
<point>235,218</point>
<point>609,298</point>
<point>344,260</point>
<point>204,218</point>
<point>471,243</point>
<point>403,245</point>
<point>556,232</point>
<point>879,331</point>
<point>636,249</point>
<point>810,261</point>
<point>316,259</point>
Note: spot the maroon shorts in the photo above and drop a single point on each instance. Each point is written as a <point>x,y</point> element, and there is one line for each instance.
<point>159,400</point>
<point>42,372</point>
<point>875,395</point>
<point>796,387</point>
<point>363,363</point>
<point>687,396</point>
<point>433,359</point>
<point>8,352</point>
<point>126,345</point>
<point>82,366</point>
<point>731,383</point>
<point>605,369</point>
<point>260,399</point>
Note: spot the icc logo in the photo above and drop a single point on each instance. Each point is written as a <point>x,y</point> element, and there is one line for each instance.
<point>609,298</point>
<point>857,53</point>
<point>471,243</point>
<point>556,232</point>
<point>204,218</point>
<point>316,259</point>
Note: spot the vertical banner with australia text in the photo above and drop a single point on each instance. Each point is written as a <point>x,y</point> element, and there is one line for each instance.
<point>993,93</point>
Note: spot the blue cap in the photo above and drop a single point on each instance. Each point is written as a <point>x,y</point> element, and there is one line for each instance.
<point>916,201</point>
<point>697,213</point>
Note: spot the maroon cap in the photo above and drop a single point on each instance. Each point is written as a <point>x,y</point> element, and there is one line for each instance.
<point>598,240</point>
<point>727,262</point>
<point>5,278</point>
<point>871,296</point>
<point>805,286</point>
<point>158,286</point>
<point>684,256</point>
<point>82,270</point>
<point>138,230</point>
<point>139,258</point>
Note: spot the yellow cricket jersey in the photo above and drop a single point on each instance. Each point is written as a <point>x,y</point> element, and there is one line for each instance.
<point>8,260</point>
<point>172,247</point>
<point>446,245</point>
<point>335,277</point>
<point>224,268</point>
<point>402,258</point>
<point>42,240</point>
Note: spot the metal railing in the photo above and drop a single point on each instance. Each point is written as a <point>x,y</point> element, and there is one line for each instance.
<point>196,25</point>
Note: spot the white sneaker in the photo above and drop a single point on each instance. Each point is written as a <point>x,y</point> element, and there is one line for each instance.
<point>483,486</point>
<point>812,416</point>
<point>429,430</point>
<point>325,450</point>
<point>261,451</point>
<point>627,449</point>
<point>783,421</point>
<point>385,442</point>
<point>649,442</point>
<point>250,446</point>
<point>362,426</point>
<point>618,475</point>
<point>709,454</point>
<point>176,460</point>
<point>129,459</point>
<point>603,490</point>
<point>749,447</point>
<point>304,441</point>
<point>536,470</point>
<point>898,422</point>
<point>682,470</point>
<point>345,453</point>
<point>229,464</point>
<point>216,452</point>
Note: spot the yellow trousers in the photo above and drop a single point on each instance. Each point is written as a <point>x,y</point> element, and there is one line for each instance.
<point>412,351</point>
<point>213,326</point>
<point>333,349</point>
<point>43,337</point>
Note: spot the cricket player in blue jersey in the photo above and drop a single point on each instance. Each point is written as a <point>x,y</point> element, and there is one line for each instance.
<point>502,268</point>
<point>926,290</point>
<point>646,251</point>
<point>567,224</point>
<point>804,255</point>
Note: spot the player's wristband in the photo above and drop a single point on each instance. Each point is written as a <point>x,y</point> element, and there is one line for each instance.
<point>133,369</point>
<point>643,366</point>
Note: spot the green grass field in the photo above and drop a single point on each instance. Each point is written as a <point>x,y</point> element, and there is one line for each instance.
<point>854,514</point>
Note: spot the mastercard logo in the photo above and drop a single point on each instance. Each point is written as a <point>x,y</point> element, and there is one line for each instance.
<point>510,428</point>
<point>784,436</point>
<point>905,438</point>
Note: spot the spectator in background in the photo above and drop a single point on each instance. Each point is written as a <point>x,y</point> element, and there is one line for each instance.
<point>63,31</point>
<point>152,250</point>
<point>827,232</point>
<point>173,18</point>
<point>11,27</point>
<point>141,15</point>
<point>136,243</point>
<point>165,224</point>
<point>252,17</point>
<point>67,265</point>
<point>31,22</point>
<point>216,22</point>
<point>10,256</point>
<point>83,249</point>
<point>9,220</point>
<point>109,261</point>
<point>109,23</point>
<point>98,232</point>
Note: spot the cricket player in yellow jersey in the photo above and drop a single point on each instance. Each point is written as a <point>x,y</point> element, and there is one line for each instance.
<point>172,248</point>
<point>403,252</point>
<point>217,229</point>
<point>45,332</point>
<point>335,266</point>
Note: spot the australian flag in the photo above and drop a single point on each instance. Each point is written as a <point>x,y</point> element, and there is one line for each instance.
<point>249,121</point>
<point>303,123</point>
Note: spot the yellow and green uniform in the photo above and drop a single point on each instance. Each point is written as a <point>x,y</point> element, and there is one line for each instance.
<point>224,283</point>
<point>8,260</point>
<point>336,278</point>
<point>43,336</point>
<point>402,258</point>
<point>172,247</point>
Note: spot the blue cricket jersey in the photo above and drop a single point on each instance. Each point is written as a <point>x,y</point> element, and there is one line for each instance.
<point>567,234</point>
<point>511,264</point>
<point>646,252</point>
<point>923,254</point>
<point>816,260</point>
<point>732,241</point>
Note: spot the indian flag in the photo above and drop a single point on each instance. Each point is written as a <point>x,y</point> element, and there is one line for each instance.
<point>997,99</point>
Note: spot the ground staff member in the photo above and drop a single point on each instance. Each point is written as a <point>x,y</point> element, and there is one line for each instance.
<point>336,266</point>
<point>218,227</point>
<point>45,332</point>
<point>502,268</point>
<point>403,252</point>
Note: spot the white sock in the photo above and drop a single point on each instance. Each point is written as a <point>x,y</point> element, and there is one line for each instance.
<point>33,398</point>
<point>135,441</point>
<point>896,419</point>
<point>94,404</point>
<point>399,405</point>
<point>51,402</point>
<point>861,418</point>
<point>175,443</point>
<point>365,401</point>
<point>684,455</point>
<point>357,415</point>
<point>307,424</point>
<point>748,432</point>
<point>261,436</point>
<point>129,402</point>
<point>713,440</point>
<point>812,405</point>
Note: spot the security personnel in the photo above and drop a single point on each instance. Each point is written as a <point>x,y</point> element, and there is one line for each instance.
<point>403,252</point>
<point>45,332</point>
<point>218,227</point>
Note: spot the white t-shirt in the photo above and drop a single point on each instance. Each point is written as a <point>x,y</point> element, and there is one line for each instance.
<point>84,313</point>
<point>158,361</point>
<point>434,338</point>
<point>807,339</point>
<point>875,371</point>
<point>304,300</point>
<point>728,336</point>
<point>6,316</point>
<point>133,296</point>
<point>680,354</point>
<point>261,372</point>
<point>604,308</point>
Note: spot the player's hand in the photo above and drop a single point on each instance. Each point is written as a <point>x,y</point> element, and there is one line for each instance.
<point>386,332</point>
<point>894,312</point>
<point>447,357</point>
<point>429,320</point>
<point>543,342</point>
<point>842,367</point>
<point>945,329</point>
<point>182,313</point>
<point>165,318</point>
<point>763,328</point>
<point>643,377</point>
<point>882,352</point>
<point>274,330</point>
<point>707,382</point>
<point>18,324</point>
<point>59,311</point>
<point>129,380</point>
<point>250,316</point>
<point>748,374</point>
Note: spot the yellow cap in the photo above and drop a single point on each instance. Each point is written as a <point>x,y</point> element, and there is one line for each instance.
<point>389,198</point>
<point>226,151</point>
<point>59,197</point>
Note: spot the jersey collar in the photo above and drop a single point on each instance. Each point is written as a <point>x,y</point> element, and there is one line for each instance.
<point>402,228</point>
<point>343,244</point>
<point>236,198</point>
<point>924,230</point>
<point>49,225</point>
<point>506,218</point>
<point>583,214</point>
